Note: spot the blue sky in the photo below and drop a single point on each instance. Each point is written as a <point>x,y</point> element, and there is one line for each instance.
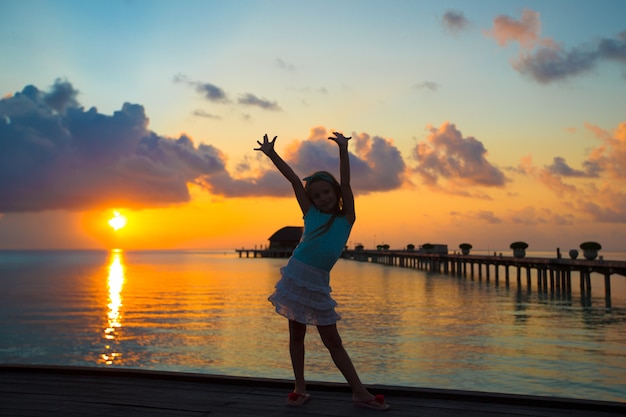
<point>506,113</point>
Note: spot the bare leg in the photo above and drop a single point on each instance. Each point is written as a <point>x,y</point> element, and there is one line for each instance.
<point>332,341</point>
<point>297,331</point>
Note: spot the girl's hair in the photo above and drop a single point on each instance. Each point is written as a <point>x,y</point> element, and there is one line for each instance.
<point>328,177</point>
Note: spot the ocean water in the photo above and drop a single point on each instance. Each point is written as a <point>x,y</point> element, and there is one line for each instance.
<point>207,312</point>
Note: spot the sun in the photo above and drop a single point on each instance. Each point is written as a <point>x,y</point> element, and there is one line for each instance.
<point>118,221</point>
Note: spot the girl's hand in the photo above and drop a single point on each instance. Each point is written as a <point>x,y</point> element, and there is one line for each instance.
<point>267,146</point>
<point>340,139</point>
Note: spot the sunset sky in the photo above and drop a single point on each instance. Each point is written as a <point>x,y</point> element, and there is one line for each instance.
<point>471,121</point>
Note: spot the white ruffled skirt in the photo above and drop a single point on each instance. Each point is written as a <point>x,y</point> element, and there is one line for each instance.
<point>303,295</point>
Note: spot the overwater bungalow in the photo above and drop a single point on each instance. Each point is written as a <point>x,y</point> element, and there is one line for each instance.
<point>433,248</point>
<point>282,243</point>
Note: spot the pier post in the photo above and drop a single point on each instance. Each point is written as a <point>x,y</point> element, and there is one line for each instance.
<point>539,278</point>
<point>557,283</point>
<point>552,285</point>
<point>607,289</point>
<point>585,282</point>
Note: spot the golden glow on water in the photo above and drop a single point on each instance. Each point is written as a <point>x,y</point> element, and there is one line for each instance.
<point>115,283</point>
<point>198,313</point>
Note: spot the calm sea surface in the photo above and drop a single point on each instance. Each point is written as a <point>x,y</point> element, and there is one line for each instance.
<point>208,312</point>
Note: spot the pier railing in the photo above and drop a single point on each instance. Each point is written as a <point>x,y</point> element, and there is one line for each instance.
<point>552,274</point>
<point>265,253</point>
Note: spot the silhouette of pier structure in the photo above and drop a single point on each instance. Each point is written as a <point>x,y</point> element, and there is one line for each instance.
<point>552,274</point>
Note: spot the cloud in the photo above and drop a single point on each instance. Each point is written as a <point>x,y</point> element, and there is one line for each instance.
<point>216,94</point>
<point>56,155</point>
<point>379,165</point>
<point>209,91</point>
<point>285,65</point>
<point>548,176</point>
<point>427,85</point>
<point>555,183</point>
<point>61,97</point>
<point>484,216</point>
<point>545,61</point>
<point>532,216</point>
<point>526,31</point>
<point>604,199</point>
<point>455,21</point>
<point>252,100</point>
<point>447,156</point>
<point>376,165</point>
<point>206,115</point>
<point>560,167</point>
<point>610,156</point>
<point>606,203</point>
<point>546,65</point>
<point>613,48</point>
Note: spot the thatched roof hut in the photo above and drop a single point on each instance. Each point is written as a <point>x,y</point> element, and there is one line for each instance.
<point>286,238</point>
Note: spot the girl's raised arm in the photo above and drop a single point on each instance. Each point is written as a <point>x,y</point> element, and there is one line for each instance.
<point>267,147</point>
<point>344,173</point>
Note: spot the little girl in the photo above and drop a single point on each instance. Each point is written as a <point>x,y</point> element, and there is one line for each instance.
<point>303,293</point>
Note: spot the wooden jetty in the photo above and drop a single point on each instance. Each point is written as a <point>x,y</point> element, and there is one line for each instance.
<point>553,274</point>
<point>56,391</point>
<point>281,244</point>
<point>265,253</point>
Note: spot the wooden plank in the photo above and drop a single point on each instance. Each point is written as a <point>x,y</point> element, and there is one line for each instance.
<point>60,391</point>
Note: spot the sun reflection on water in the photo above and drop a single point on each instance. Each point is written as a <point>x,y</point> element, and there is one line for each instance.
<point>115,282</point>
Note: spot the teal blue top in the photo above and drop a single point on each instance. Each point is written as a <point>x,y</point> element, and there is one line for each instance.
<point>321,251</point>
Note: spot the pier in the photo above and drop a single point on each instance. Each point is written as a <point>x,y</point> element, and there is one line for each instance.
<point>552,274</point>
<point>265,253</point>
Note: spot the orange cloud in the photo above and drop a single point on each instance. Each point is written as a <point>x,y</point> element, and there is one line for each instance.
<point>604,198</point>
<point>533,215</point>
<point>612,154</point>
<point>451,162</point>
<point>375,162</point>
<point>526,31</point>
<point>555,183</point>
